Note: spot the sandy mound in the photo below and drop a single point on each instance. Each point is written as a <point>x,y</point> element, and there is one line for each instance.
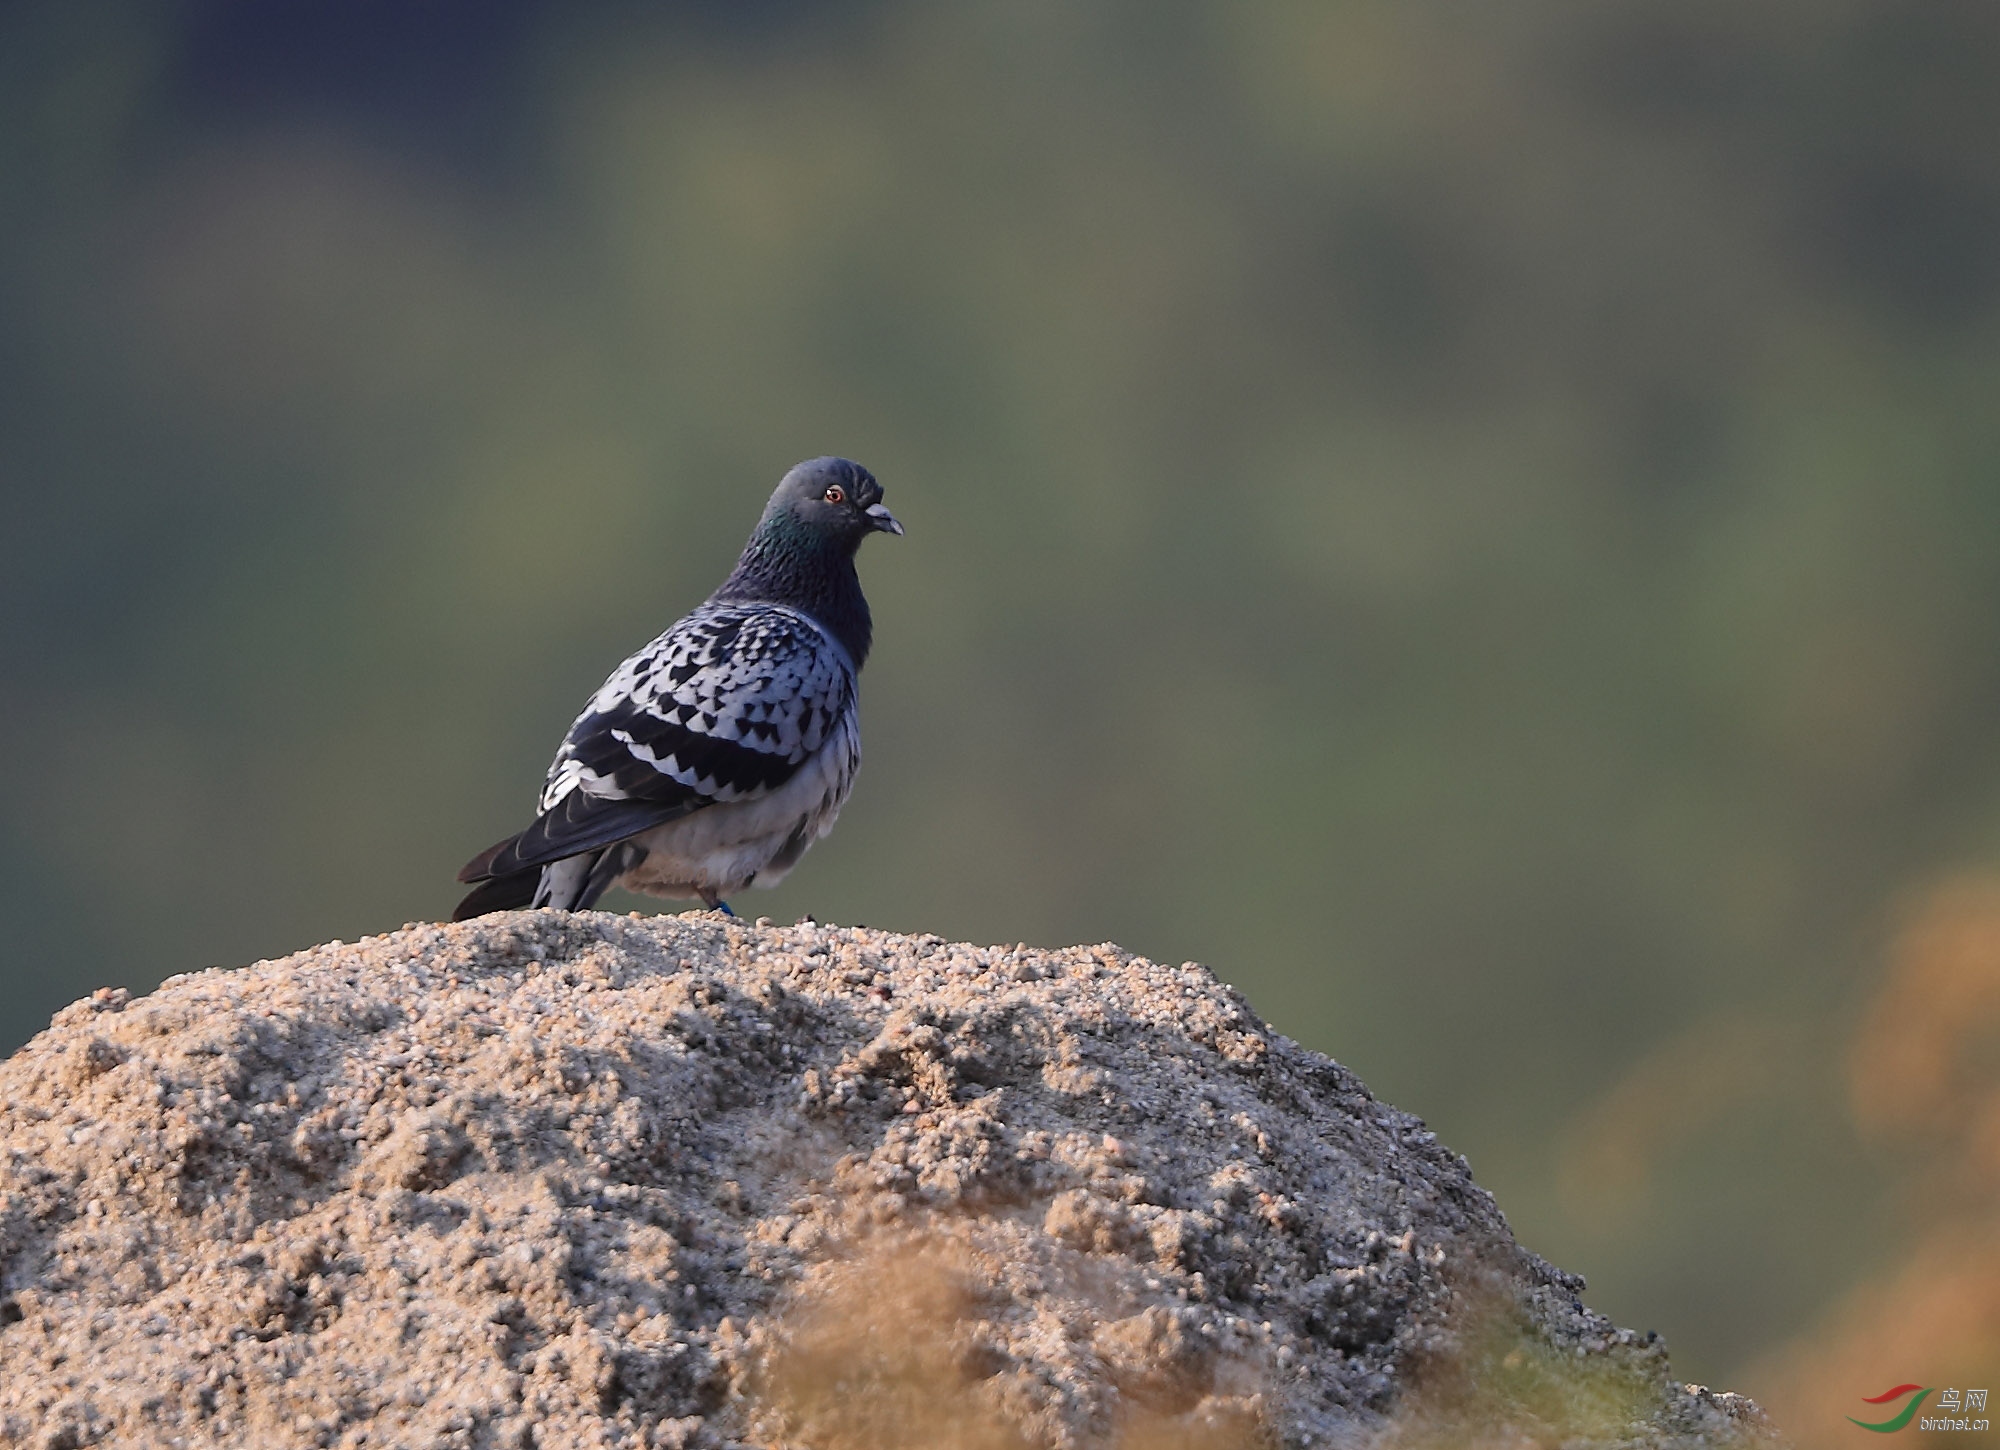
<point>553,1180</point>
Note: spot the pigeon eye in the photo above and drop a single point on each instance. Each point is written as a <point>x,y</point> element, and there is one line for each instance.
<point>836,494</point>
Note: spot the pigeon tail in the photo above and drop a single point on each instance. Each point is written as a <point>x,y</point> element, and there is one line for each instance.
<point>511,892</point>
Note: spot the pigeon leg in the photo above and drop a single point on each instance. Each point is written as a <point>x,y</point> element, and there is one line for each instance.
<point>712,901</point>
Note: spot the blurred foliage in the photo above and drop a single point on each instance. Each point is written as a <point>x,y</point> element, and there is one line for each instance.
<point>897,1347</point>
<point>1925,1083</point>
<point>886,1358</point>
<point>1495,1383</point>
<point>1480,523</point>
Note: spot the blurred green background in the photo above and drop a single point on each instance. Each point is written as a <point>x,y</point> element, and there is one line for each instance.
<point>1481,523</point>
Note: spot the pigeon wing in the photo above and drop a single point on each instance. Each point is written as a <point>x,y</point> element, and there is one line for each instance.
<point>725,706</point>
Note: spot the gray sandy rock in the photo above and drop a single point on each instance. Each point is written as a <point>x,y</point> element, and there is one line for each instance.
<point>554,1180</point>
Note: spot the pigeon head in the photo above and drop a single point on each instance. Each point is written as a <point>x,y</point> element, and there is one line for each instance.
<point>828,501</point>
<point>802,553</point>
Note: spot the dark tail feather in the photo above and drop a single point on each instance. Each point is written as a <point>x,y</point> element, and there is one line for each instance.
<point>610,864</point>
<point>500,893</point>
<point>480,867</point>
<point>577,823</point>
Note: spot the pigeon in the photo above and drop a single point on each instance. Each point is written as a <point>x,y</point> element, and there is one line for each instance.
<point>715,756</point>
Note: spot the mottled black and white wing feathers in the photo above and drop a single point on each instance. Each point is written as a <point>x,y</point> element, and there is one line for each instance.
<point>724,706</point>
<point>728,705</point>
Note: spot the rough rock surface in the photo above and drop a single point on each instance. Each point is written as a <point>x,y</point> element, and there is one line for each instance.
<point>554,1180</point>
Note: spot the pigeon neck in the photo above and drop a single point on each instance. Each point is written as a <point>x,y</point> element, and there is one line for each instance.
<point>807,572</point>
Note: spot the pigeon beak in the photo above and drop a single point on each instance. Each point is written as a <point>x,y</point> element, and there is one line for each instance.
<point>880,519</point>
